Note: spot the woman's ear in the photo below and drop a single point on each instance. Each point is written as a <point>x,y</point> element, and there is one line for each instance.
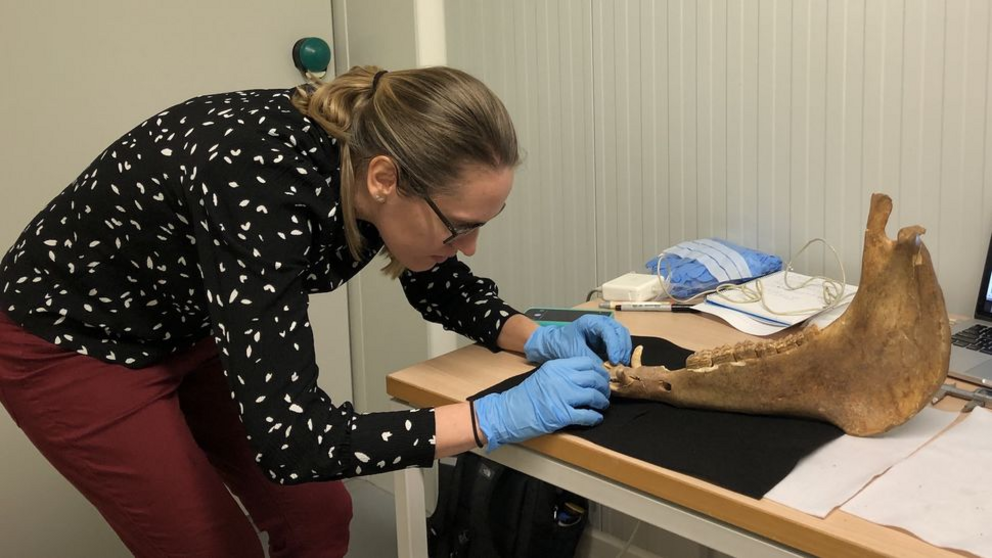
<point>381,178</point>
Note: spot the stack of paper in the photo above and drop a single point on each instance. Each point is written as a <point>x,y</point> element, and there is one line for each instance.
<point>782,304</point>
<point>941,494</point>
<point>835,472</point>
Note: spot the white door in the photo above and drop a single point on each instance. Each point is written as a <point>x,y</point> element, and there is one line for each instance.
<point>76,75</point>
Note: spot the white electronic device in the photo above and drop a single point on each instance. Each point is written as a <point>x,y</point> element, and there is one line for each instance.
<point>632,287</point>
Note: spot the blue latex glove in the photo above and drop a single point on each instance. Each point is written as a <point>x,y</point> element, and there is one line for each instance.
<point>560,393</point>
<point>584,337</point>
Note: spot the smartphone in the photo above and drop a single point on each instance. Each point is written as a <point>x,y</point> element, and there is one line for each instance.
<point>560,316</point>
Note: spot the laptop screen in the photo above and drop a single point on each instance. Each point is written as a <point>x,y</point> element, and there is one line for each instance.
<point>983,309</point>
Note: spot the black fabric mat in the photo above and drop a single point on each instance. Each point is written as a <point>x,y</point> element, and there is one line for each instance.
<point>748,454</point>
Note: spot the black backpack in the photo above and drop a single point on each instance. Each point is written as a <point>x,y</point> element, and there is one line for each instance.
<point>486,510</point>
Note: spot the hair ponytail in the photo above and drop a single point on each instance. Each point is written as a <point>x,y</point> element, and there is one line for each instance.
<point>334,106</point>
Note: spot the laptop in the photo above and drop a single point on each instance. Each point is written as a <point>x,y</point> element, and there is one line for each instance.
<point>971,340</point>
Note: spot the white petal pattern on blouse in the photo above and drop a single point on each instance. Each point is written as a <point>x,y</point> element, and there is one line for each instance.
<point>219,217</point>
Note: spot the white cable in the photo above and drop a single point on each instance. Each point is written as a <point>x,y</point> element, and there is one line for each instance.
<point>666,282</point>
<point>630,540</point>
<point>833,291</point>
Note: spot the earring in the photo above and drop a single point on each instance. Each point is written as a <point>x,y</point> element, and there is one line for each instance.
<point>380,199</point>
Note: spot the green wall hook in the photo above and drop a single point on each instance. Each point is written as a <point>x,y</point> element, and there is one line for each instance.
<point>311,54</point>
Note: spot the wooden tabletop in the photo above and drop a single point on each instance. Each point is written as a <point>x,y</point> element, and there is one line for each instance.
<point>460,374</point>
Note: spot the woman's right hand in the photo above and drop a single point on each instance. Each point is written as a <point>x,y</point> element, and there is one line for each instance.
<point>584,337</point>
<point>560,393</point>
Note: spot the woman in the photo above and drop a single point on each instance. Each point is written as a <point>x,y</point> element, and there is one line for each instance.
<point>162,297</point>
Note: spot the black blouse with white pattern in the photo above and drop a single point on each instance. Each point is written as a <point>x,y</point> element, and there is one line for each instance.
<point>220,216</point>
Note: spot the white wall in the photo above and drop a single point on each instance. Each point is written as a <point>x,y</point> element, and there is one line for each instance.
<point>649,122</point>
<point>75,76</point>
<point>387,333</point>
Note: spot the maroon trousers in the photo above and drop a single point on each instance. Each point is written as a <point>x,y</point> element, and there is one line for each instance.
<point>156,450</point>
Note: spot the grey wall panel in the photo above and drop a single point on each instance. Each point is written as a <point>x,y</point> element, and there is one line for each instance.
<point>711,129</point>
<point>536,56</point>
<point>387,334</point>
<point>962,162</point>
<point>767,122</point>
<point>809,111</point>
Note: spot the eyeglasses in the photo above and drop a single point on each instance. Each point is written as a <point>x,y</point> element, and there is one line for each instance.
<point>456,232</point>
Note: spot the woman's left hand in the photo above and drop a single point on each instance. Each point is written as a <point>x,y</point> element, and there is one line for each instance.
<point>590,336</point>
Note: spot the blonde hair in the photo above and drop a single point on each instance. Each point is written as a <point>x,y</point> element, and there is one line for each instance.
<point>432,122</point>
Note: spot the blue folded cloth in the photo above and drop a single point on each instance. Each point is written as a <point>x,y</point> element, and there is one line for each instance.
<point>695,266</point>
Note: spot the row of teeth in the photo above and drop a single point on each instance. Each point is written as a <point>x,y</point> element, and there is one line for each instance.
<point>709,359</point>
<point>748,350</point>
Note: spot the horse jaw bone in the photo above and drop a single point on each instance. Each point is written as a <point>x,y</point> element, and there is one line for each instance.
<point>871,370</point>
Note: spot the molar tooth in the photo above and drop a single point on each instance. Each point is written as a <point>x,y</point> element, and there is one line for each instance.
<point>702,359</point>
<point>744,351</point>
<point>723,354</point>
<point>784,345</point>
<point>763,349</point>
<point>798,338</point>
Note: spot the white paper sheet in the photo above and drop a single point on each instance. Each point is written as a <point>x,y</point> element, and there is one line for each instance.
<point>783,303</point>
<point>738,321</point>
<point>942,493</point>
<point>832,474</point>
<point>747,324</point>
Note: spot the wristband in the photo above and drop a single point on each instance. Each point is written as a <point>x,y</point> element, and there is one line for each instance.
<point>475,432</point>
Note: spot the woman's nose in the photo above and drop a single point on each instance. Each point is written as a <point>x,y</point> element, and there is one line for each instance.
<point>466,244</point>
